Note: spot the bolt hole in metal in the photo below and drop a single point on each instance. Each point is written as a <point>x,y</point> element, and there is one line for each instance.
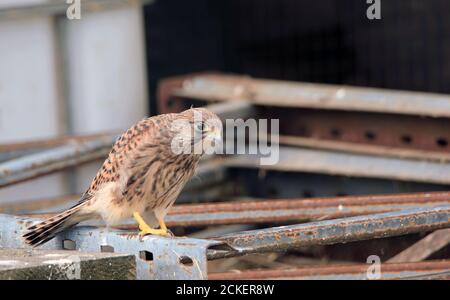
<point>442,142</point>
<point>370,135</point>
<point>335,133</point>
<point>106,249</point>
<point>186,260</point>
<point>146,255</point>
<point>69,245</point>
<point>406,139</point>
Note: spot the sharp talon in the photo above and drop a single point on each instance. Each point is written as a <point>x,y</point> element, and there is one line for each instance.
<point>145,229</point>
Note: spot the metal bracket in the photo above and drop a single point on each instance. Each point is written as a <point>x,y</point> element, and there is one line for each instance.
<point>156,257</point>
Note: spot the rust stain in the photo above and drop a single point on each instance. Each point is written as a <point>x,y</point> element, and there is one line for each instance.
<point>430,267</point>
<point>298,210</point>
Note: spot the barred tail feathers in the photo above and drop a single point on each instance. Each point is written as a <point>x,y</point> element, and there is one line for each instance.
<point>46,230</point>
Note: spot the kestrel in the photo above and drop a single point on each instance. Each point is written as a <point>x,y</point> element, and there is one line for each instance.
<point>143,175</point>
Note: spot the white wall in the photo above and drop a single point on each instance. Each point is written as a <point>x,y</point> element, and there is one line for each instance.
<point>29,102</point>
<point>106,70</point>
<point>79,76</point>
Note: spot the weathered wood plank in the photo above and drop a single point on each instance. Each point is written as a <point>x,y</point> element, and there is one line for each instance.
<point>62,264</point>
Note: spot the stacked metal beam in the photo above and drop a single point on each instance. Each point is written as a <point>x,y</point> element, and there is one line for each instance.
<point>322,132</point>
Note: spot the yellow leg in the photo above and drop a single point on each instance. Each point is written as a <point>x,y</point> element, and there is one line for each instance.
<point>145,229</point>
<point>162,225</point>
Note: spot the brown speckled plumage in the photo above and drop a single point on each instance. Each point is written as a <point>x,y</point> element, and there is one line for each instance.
<point>141,174</point>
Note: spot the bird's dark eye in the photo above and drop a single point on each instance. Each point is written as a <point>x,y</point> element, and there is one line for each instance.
<point>200,127</point>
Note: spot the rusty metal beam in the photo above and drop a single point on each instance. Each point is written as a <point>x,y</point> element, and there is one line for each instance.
<point>165,95</point>
<point>419,270</point>
<point>376,150</point>
<point>299,210</point>
<point>294,159</point>
<point>14,150</point>
<point>52,160</point>
<point>278,210</point>
<point>377,122</point>
<point>41,144</point>
<point>376,129</point>
<point>156,257</point>
<point>219,87</point>
<point>424,248</point>
<point>46,204</point>
<point>233,110</point>
<point>334,231</point>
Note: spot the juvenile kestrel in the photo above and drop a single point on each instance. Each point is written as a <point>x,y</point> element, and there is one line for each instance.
<point>143,175</point>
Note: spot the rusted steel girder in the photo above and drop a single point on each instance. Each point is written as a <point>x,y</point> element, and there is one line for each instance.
<point>334,231</point>
<point>419,270</point>
<point>288,210</point>
<point>52,160</point>
<point>41,144</point>
<point>221,87</point>
<point>297,210</point>
<point>399,119</point>
<point>423,219</point>
<point>295,159</point>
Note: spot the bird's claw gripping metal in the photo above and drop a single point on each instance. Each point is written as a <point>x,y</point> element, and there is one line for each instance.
<point>145,229</point>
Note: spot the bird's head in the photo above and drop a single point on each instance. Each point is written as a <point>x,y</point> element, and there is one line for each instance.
<point>198,129</point>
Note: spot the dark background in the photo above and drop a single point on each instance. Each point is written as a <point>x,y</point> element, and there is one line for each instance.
<point>327,41</point>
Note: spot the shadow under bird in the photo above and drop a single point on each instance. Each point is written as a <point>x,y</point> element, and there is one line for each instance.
<point>142,176</point>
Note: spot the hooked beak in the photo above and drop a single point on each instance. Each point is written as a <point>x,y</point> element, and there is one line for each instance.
<point>214,136</point>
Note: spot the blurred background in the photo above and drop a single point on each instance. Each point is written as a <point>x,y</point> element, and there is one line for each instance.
<point>122,61</point>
